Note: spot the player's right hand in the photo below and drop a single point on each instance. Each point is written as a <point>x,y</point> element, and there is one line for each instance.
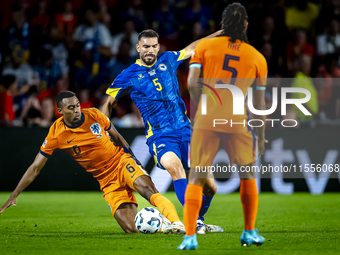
<point>10,201</point>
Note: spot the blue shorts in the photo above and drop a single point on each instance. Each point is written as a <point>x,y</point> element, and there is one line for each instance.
<point>176,142</point>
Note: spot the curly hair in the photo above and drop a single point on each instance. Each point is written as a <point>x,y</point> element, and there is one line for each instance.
<point>233,19</point>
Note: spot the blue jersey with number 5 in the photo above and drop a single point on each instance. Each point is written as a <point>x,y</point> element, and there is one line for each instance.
<point>154,89</point>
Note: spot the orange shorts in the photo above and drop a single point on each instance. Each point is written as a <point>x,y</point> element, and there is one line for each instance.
<point>241,147</point>
<point>120,188</point>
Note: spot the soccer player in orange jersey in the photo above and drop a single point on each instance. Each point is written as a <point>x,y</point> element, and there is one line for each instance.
<point>227,57</point>
<point>82,135</point>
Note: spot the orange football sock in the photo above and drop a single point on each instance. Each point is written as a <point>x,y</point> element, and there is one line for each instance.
<point>250,202</point>
<point>192,206</point>
<point>165,207</point>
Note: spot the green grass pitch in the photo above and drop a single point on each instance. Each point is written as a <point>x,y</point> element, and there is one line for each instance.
<point>81,223</point>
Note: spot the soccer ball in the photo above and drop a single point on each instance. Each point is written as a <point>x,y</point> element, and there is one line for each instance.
<point>148,220</point>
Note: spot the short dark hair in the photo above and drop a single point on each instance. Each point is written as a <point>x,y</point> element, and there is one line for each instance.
<point>62,95</point>
<point>7,81</point>
<point>233,18</point>
<point>148,33</point>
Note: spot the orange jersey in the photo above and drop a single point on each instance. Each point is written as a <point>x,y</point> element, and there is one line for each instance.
<point>225,62</point>
<point>87,144</point>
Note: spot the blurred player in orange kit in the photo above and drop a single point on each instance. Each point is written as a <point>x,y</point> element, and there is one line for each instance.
<point>82,135</point>
<point>225,59</point>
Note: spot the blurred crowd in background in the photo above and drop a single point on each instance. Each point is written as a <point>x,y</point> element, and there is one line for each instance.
<point>81,45</point>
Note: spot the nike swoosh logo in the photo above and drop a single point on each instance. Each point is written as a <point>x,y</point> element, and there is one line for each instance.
<point>71,140</point>
<point>133,175</point>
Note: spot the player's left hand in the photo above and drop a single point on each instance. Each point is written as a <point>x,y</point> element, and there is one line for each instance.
<point>10,201</point>
<point>261,143</point>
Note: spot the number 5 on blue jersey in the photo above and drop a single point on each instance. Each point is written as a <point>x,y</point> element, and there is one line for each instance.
<point>157,84</point>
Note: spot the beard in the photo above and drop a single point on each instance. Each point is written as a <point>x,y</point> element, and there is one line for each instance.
<point>149,61</point>
<point>76,119</point>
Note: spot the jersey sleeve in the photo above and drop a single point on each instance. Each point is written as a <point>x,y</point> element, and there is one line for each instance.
<point>103,120</point>
<point>197,57</point>
<point>261,72</point>
<point>50,144</point>
<point>119,86</point>
<point>176,57</point>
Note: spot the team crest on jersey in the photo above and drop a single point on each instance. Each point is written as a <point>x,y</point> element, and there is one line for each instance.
<point>45,142</point>
<point>140,76</point>
<point>162,67</point>
<point>153,72</point>
<point>96,129</point>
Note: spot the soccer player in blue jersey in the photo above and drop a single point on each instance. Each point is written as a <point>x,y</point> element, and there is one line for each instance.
<point>153,86</point>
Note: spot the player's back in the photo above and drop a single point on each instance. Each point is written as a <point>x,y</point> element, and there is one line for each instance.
<point>224,59</point>
<point>225,62</point>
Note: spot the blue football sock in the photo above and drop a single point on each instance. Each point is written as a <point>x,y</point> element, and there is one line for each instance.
<point>204,208</point>
<point>180,186</point>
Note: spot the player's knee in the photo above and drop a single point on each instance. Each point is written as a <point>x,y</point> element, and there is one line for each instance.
<point>176,170</point>
<point>173,165</point>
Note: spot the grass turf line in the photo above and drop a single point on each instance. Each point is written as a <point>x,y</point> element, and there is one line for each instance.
<point>81,223</point>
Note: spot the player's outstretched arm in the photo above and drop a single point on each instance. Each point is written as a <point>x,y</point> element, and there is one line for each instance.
<point>189,50</point>
<point>195,92</point>
<point>260,104</point>
<point>29,176</point>
<point>108,106</point>
<point>118,138</point>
